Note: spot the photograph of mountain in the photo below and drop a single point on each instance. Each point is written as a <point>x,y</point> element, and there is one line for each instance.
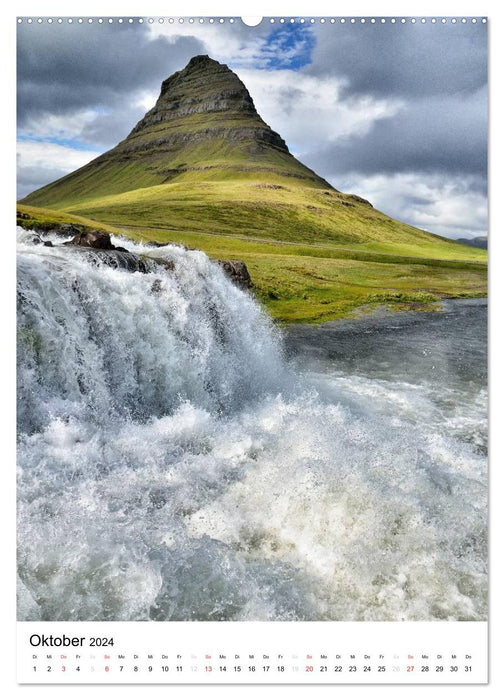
<point>252,320</point>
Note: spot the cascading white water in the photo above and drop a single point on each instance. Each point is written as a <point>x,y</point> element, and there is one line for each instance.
<point>172,466</point>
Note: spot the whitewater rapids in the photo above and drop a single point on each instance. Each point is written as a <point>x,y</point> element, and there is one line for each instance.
<point>174,465</point>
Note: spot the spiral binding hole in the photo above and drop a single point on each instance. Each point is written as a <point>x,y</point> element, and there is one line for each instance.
<point>271,20</point>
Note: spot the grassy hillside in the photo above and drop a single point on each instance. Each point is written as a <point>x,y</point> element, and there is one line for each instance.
<point>139,163</point>
<point>314,282</point>
<point>258,208</point>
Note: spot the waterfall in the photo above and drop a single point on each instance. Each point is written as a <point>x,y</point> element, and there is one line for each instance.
<point>172,464</point>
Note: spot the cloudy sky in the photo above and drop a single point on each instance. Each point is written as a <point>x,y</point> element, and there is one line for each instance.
<point>393,112</point>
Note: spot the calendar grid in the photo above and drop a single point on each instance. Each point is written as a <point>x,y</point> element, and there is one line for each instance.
<point>209,653</point>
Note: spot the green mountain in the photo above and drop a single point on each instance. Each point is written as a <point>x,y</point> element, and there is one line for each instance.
<point>202,159</point>
<point>202,167</point>
<point>203,127</point>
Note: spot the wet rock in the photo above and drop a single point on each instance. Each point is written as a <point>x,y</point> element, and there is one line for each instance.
<point>48,244</point>
<point>122,260</point>
<point>167,264</point>
<point>237,272</point>
<point>117,259</point>
<point>92,239</point>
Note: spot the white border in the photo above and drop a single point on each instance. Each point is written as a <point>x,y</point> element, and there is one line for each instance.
<point>272,8</point>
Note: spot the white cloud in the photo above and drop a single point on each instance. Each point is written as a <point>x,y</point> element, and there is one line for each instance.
<point>233,43</point>
<point>58,126</point>
<point>146,100</point>
<point>43,154</point>
<point>309,111</point>
<point>443,204</point>
<point>40,162</point>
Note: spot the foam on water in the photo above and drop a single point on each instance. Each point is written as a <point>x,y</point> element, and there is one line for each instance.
<point>172,466</point>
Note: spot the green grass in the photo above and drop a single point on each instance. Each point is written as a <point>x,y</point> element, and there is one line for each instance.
<point>43,219</point>
<point>285,211</point>
<point>310,282</point>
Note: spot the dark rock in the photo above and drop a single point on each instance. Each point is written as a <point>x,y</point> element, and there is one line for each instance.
<point>99,250</point>
<point>92,239</point>
<point>155,244</point>
<point>167,264</point>
<point>116,259</point>
<point>22,215</point>
<point>237,272</point>
<point>48,244</point>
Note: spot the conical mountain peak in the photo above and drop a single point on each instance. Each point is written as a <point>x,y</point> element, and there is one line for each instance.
<point>204,126</point>
<point>202,62</point>
<point>204,86</point>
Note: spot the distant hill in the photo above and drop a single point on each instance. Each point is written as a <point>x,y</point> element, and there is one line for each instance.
<point>477,242</point>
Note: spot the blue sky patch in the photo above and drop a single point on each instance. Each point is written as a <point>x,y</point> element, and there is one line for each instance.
<point>74,143</point>
<point>289,46</point>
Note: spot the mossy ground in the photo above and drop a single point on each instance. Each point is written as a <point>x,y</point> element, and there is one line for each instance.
<point>46,219</point>
<point>318,280</point>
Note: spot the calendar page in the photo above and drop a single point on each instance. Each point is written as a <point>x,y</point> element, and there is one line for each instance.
<point>252,349</point>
